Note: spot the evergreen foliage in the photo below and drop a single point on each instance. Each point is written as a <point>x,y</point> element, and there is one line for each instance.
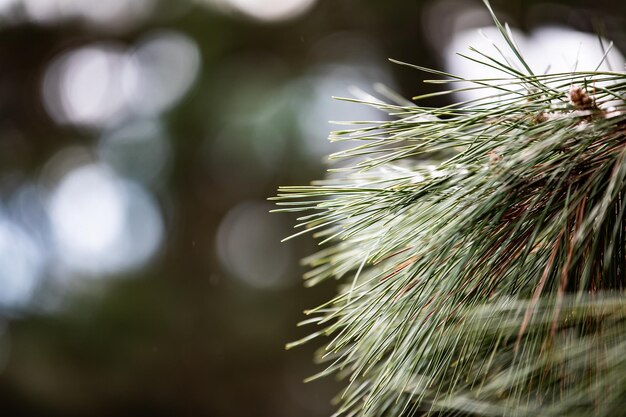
<point>480,247</point>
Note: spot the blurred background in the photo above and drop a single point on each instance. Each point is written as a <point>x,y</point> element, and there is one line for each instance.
<point>140,270</point>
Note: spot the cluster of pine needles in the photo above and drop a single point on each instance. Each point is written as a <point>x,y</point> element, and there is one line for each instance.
<point>480,249</point>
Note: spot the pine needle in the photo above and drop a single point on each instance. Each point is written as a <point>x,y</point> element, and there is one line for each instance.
<point>480,249</point>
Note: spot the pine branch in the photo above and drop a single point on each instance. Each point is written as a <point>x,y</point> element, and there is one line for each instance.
<point>480,249</point>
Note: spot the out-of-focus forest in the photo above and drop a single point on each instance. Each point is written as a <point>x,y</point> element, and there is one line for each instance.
<point>140,270</point>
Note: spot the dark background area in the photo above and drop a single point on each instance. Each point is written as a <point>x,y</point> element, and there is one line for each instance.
<point>140,270</point>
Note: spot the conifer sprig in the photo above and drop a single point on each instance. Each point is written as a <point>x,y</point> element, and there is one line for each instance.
<point>480,247</point>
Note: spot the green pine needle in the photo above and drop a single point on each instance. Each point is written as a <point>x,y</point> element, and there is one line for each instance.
<point>480,247</point>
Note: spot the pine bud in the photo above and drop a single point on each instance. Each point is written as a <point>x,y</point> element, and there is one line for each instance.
<point>580,99</point>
